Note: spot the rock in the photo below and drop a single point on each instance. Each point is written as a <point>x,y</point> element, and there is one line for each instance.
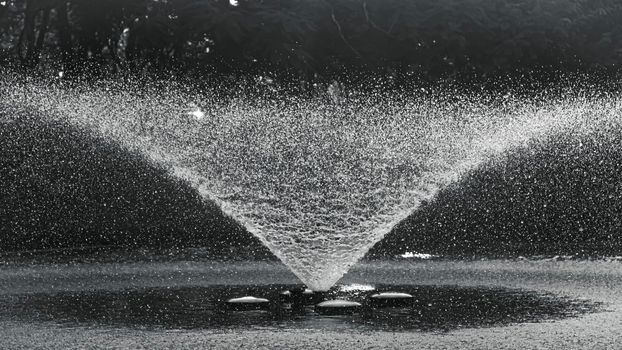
<point>337,307</point>
<point>391,299</point>
<point>391,295</point>
<point>248,303</point>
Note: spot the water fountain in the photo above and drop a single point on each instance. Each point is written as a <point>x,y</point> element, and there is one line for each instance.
<point>318,183</point>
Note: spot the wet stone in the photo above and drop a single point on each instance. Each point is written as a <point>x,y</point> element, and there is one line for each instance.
<point>338,307</point>
<point>391,299</point>
<point>248,303</point>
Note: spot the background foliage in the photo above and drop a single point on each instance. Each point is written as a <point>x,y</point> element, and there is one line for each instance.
<point>314,40</point>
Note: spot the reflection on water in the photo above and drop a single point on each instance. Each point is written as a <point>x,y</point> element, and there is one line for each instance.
<point>432,308</point>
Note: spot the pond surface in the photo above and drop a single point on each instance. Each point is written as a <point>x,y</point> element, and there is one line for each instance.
<point>183,304</point>
<point>432,308</point>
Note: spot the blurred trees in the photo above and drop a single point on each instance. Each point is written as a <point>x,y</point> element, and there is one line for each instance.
<point>319,39</point>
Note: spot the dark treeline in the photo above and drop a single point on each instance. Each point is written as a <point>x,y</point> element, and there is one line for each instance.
<point>314,41</point>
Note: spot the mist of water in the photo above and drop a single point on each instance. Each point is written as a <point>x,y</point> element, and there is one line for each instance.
<point>319,183</point>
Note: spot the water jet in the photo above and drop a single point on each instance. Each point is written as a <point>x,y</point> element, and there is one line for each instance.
<point>317,184</point>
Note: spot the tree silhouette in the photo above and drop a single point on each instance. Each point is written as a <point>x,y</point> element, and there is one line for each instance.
<point>324,39</point>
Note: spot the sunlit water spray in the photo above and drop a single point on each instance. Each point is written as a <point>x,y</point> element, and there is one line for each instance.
<point>318,183</point>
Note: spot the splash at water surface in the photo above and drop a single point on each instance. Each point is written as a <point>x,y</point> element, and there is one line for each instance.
<point>319,183</point>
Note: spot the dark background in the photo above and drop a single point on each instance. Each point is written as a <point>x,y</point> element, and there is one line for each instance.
<point>392,42</point>
<point>64,188</point>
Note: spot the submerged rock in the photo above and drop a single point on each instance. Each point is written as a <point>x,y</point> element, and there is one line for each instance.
<point>391,299</point>
<point>391,295</point>
<point>248,303</point>
<point>337,307</point>
<point>247,300</point>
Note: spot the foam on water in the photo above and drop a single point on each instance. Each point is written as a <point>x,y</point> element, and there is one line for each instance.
<point>318,183</point>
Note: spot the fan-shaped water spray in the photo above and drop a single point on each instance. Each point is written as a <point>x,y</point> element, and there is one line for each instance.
<point>318,183</point>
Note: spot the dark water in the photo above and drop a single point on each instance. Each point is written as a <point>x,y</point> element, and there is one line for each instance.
<point>432,308</point>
